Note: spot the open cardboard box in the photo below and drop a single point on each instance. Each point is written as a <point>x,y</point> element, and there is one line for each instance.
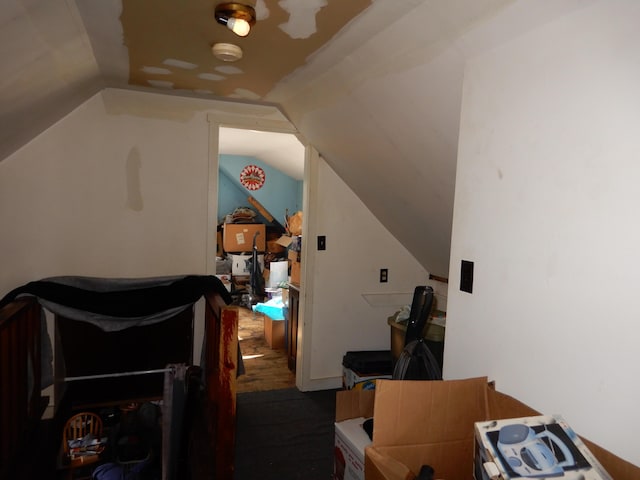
<point>432,423</point>
<point>350,438</point>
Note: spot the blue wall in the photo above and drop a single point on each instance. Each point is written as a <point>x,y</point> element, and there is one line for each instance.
<point>279,192</point>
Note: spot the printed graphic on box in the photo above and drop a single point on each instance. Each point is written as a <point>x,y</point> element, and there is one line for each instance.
<point>534,447</point>
<point>350,442</point>
<point>353,380</point>
<point>533,451</point>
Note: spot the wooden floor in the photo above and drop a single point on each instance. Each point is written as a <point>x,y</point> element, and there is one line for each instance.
<point>265,368</point>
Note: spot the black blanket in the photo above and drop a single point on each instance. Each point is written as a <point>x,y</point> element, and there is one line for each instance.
<point>120,298</point>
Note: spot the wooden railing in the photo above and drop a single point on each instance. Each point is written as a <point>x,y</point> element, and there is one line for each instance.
<point>221,368</point>
<point>21,404</point>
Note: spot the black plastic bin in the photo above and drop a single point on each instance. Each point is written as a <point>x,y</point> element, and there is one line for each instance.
<point>369,362</point>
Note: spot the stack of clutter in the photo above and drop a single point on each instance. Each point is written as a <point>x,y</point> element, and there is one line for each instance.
<point>274,318</point>
<point>234,261</point>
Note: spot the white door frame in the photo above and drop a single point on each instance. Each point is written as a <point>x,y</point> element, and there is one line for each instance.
<point>277,125</point>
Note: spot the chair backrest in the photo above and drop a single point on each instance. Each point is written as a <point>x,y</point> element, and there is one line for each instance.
<point>79,426</point>
<point>419,314</point>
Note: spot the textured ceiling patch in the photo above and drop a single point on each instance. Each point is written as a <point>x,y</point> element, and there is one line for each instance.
<point>156,70</point>
<point>302,17</point>
<point>228,69</point>
<point>211,76</point>
<point>161,83</point>
<point>179,36</point>
<point>172,62</point>
<point>262,12</point>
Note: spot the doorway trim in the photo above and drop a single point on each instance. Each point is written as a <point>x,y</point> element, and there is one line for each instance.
<point>276,123</point>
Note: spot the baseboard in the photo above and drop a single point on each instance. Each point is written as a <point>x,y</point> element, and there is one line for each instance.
<point>327,383</point>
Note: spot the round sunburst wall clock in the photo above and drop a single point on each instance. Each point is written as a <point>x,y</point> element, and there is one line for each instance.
<point>252,177</point>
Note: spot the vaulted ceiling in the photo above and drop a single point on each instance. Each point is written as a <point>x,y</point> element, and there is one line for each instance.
<point>374,85</point>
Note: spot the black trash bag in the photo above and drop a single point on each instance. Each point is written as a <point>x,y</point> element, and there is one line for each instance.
<point>421,306</point>
<point>416,362</point>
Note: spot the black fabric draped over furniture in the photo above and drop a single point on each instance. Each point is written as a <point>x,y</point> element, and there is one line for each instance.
<point>132,329</point>
<point>116,303</point>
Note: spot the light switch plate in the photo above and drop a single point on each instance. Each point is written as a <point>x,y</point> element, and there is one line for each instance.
<point>466,276</point>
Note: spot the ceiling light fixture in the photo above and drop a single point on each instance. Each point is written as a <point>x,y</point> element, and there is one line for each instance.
<point>237,17</point>
<point>227,52</point>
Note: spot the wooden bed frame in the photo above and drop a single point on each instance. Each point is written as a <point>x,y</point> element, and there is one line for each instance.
<point>22,404</point>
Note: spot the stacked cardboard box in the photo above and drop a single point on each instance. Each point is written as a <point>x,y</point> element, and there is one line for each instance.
<point>294,260</point>
<point>418,423</point>
<point>274,332</point>
<point>293,244</point>
<point>238,237</point>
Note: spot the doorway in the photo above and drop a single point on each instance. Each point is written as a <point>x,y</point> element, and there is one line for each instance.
<point>266,166</point>
<point>280,157</point>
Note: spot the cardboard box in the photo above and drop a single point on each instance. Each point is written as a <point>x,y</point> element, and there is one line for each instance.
<point>352,408</point>
<point>293,255</point>
<point>240,265</point>
<point>219,249</point>
<point>354,380</point>
<point>240,282</point>
<point>274,247</point>
<point>350,440</point>
<point>537,446</point>
<point>432,423</point>
<point>295,272</point>
<point>284,241</point>
<point>419,423</point>
<point>294,260</point>
<point>238,237</point>
<point>274,332</point>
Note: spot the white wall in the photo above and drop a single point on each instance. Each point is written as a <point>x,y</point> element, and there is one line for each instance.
<point>120,188</point>
<point>117,188</point>
<point>546,206</point>
<point>358,246</point>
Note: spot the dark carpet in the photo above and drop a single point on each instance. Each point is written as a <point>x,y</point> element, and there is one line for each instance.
<point>285,435</point>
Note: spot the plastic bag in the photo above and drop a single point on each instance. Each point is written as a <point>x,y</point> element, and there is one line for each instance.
<point>274,308</point>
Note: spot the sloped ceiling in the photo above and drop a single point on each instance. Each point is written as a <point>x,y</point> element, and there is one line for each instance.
<point>374,85</point>
<point>282,151</point>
